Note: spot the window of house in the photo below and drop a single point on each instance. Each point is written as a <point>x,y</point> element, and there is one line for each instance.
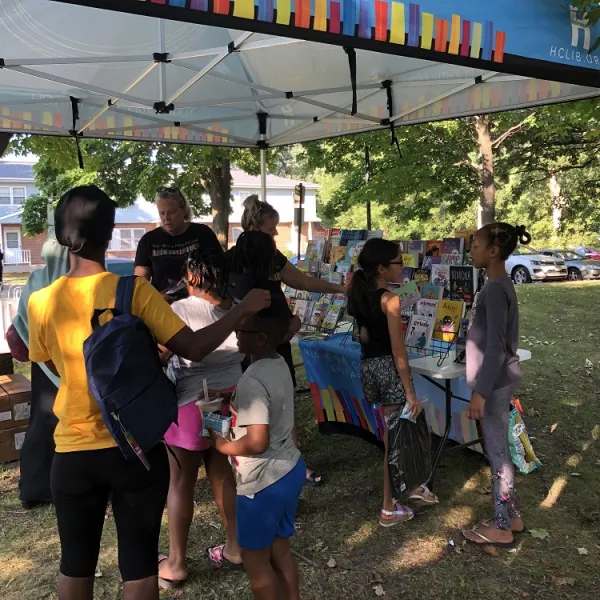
<point>126,238</point>
<point>235,233</point>
<point>12,240</point>
<point>18,195</point>
<point>243,194</point>
<point>15,195</point>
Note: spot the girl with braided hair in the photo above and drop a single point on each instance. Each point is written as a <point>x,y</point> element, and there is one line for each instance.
<point>254,253</point>
<point>384,371</point>
<point>493,373</point>
<point>222,369</point>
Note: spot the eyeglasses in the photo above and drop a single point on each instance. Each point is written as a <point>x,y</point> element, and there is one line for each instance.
<point>168,190</point>
<point>238,331</point>
<point>396,262</point>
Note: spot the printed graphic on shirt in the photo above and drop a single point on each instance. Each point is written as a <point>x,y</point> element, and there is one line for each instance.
<point>174,249</point>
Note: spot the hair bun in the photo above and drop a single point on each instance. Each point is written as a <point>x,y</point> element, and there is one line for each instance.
<point>523,235</point>
<point>251,202</point>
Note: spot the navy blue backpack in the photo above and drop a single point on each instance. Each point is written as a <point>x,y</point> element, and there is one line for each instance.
<point>125,376</point>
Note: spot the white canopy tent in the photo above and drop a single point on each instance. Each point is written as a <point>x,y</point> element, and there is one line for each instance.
<point>76,70</point>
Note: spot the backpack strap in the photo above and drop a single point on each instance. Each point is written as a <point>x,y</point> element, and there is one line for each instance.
<point>125,290</point>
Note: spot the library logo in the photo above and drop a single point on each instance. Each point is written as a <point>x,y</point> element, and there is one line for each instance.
<point>581,41</point>
<point>580,23</point>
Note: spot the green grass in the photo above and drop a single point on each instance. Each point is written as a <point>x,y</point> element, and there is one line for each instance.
<point>560,324</point>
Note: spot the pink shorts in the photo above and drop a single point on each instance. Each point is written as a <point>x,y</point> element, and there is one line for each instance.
<point>187,432</point>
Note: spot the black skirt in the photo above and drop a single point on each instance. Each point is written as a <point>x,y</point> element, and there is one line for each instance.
<point>38,448</point>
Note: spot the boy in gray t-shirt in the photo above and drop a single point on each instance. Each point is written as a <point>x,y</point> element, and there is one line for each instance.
<point>269,469</point>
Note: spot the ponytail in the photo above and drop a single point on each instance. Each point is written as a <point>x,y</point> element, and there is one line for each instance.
<point>361,293</point>
<point>375,253</point>
<point>523,235</point>
<point>255,211</point>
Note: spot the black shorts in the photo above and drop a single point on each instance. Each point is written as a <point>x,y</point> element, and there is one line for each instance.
<point>81,485</point>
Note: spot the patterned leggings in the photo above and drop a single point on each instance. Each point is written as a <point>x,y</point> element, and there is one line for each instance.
<point>495,437</point>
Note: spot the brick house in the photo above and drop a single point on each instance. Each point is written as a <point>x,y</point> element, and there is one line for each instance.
<point>22,253</point>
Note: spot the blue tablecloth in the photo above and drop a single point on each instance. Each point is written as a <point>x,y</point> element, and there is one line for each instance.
<point>333,372</point>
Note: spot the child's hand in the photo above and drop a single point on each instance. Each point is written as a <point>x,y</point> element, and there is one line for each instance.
<point>216,439</point>
<point>414,405</point>
<point>476,410</point>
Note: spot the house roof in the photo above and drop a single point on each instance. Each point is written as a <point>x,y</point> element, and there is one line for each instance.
<point>10,214</point>
<point>241,179</point>
<point>24,170</point>
<point>16,170</point>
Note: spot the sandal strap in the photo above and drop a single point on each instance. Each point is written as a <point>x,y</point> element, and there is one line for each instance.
<point>216,554</point>
<point>400,512</point>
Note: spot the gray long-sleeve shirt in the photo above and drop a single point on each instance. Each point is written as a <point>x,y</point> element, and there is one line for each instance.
<point>493,338</point>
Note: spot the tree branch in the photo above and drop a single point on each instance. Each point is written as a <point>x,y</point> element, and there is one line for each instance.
<point>512,130</point>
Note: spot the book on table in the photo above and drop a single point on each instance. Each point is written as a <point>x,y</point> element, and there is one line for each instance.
<point>463,283</point>
<point>427,308</point>
<point>432,292</point>
<point>418,333</point>
<point>440,275</point>
<point>410,260</point>
<point>449,315</point>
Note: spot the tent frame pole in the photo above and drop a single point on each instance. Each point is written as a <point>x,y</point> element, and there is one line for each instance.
<point>263,174</point>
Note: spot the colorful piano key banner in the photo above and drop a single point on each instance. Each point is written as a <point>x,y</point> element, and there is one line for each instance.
<point>464,32</point>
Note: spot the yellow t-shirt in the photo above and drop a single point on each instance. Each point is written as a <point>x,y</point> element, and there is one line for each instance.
<point>59,323</point>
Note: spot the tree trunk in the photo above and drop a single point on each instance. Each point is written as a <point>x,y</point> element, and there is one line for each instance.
<point>487,201</point>
<point>219,190</point>
<point>4,141</point>
<point>557,204</point>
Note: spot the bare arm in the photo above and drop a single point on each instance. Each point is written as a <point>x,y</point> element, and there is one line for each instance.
<point>197,345</point>
<point>392,307</point>
<point>298,280</point>
<point>256,441</point>
<point>144,272</point>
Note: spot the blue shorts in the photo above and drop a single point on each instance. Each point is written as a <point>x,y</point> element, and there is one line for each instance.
<point>270,513</point>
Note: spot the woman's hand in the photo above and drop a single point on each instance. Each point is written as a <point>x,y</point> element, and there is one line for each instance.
<point>414,405</point>
<point>255,301</point>
<point>476,410</point>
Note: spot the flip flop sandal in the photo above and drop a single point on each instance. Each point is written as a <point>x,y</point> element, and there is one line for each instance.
<point>168,584</point>
<point>428,498</point>
<point>314,479</point>
<point>217,558</point>
<point>486,541</point>
<point>402,514</point>
<point>490,523</point>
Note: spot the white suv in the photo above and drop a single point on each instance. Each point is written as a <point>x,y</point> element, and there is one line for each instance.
<point>525,265</point>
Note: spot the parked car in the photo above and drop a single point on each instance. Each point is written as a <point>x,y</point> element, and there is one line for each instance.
<point>578,265</point>
<point>525,265</point>
<point>588,252</point>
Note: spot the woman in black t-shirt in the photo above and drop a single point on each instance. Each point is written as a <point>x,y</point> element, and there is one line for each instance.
<point>262,217</point>
<point>162,253</point>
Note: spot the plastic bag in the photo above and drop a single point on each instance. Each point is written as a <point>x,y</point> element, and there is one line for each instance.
<point>521,450</point>
<point>409,453</point>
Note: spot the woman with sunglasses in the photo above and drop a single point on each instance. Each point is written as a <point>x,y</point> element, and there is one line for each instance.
<point>384,371</point>
<point>222,370</point>
<point>161,253</point>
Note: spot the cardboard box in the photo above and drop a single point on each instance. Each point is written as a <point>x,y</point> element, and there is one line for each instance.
<point>6,364</point>
<point>11,442</point>
<point>15,401</point>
